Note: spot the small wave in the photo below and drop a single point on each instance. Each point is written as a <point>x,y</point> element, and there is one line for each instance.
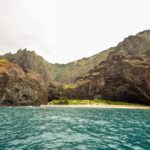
<point>23,128</point>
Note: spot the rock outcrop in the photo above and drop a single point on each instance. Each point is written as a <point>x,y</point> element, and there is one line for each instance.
<point>55,90</point>
<point>123,76</point>
<point>19,88</point>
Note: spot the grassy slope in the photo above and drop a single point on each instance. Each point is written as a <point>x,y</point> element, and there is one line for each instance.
<point>70,86</point>
<point>89,102</point>
<point>3,60</point>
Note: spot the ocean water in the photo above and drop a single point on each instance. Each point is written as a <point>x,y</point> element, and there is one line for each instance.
<point>35,128</point>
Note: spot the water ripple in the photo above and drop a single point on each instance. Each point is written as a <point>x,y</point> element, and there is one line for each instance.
<point>75,129</point>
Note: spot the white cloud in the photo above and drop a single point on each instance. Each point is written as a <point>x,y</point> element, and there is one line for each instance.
<point>66,30</point>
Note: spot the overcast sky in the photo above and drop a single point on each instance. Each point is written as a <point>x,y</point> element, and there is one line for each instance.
<point>66,30</point>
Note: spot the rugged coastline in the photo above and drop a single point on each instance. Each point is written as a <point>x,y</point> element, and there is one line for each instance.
<point>120,73</point>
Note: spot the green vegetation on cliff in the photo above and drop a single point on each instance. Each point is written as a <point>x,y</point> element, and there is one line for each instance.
<point>70,86</point>
<point>2,60</point>
<point>88,102</point>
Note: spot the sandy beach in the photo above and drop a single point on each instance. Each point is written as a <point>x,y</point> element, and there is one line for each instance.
<point>98,106</point>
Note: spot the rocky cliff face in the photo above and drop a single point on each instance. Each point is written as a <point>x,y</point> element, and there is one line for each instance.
<point>19,88</point>
<point>123,76</point>
<point>64,73</point>
<point>29,61</point>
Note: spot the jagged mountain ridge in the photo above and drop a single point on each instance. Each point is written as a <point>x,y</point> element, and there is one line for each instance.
<point>30,61</point>
<point>67,73</point>
<point>120,73</point>
<point>64,73</point>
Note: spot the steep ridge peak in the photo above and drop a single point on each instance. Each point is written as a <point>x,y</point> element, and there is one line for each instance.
<point>30,61</point>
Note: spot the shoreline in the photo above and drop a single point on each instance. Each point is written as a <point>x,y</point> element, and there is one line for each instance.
<point>97,106</point>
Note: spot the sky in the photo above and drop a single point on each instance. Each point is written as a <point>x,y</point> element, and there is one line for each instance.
<point>65,30</point>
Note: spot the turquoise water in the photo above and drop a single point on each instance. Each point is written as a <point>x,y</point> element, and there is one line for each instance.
<point>74,129</point>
